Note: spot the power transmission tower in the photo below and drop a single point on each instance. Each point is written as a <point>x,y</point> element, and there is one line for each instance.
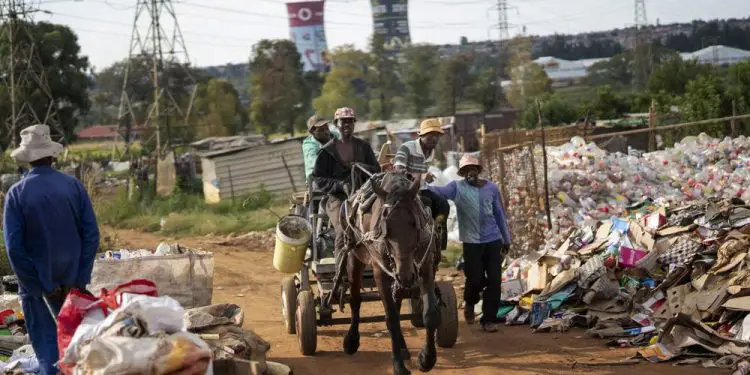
<point>502,21</point>
<point>643,59</point>
<point>157,40</point>
<point>503,35</point>
<point>22,72</point>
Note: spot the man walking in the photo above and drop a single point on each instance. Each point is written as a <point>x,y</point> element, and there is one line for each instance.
<point>320,133</point>
<point>51,235</point>
<point>483,229</point>
<point>414,157</point>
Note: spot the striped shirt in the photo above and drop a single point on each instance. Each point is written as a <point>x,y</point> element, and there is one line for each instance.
<point>411,157</point>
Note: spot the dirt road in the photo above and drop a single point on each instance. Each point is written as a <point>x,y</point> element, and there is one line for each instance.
<point>244,275</point>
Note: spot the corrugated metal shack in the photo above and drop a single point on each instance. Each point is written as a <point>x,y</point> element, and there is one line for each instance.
<point>238,171</point>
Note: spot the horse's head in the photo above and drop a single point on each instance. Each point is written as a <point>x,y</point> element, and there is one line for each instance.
<point>400,223</point>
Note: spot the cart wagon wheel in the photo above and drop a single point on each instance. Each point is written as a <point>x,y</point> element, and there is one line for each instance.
<point>289,303</point>
<point>447,333</point>
<point>306,323</point>
<point>416,310</point>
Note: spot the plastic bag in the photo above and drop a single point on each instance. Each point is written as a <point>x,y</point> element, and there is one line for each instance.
<point>77,304</point>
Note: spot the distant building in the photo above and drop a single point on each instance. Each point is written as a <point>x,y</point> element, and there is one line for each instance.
<point>104,133</point>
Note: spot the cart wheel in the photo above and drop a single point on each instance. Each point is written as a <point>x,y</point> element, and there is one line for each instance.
<point>289,303</point>
<point>416,310</point>
<point>447,333</point>
<point>306,323</point>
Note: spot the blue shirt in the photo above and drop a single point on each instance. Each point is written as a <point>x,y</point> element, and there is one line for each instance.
<point>311,148</point>
<point>50,232</point>
<point>481,218</point>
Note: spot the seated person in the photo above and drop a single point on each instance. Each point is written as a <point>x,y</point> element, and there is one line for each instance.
<point>333,170</point>
<point>413,157</point>
<point>320,133</point>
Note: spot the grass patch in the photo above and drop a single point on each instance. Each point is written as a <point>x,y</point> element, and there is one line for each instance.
<point>451,255</point>
<point>188,215</point>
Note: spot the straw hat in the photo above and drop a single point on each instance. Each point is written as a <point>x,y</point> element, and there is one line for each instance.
<point>430,125</point>
<point>36,144</point>
<point>466,161</point>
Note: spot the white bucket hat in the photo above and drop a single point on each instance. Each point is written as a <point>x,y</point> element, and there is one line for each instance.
<point>36,144</point>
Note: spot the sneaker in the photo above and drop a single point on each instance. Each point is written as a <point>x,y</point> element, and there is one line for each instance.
<point>469,315</point>
<point>489,327</point>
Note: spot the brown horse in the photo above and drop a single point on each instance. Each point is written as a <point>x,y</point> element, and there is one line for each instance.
<point>401,254</point>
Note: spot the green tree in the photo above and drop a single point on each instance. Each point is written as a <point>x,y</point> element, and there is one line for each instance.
<point>738,87</point>
<point>484,90</point>
<point>618,70</point>
<point>607,104</point>
<point>451,83</point>
<point>529,80</point>
<point>702,99</point>
<point>674,74</point>
<point>385,81</point>
<point>346,85</point>
<point>418,69</point>
<point>554,109</point>
<point>218,109</point>
<point>276,86</point>
<point>64,69</point>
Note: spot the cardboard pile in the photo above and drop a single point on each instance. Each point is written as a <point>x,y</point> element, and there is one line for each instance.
<point>674,280</point>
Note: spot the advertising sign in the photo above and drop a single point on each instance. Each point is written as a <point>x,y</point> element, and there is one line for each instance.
<point>391,20</point>
<point>306,27</point>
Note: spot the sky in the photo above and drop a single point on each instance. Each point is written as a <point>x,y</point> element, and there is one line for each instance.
<point>218,32</point>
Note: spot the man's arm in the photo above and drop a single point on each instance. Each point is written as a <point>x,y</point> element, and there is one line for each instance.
<point>500,218</point>
<point>448,191</point>
<point>310,155</point>
<point>401,160</point>
<point>13,233</point>
<point>322,174</point>
<point>371,160</point>
<point>89,232</point>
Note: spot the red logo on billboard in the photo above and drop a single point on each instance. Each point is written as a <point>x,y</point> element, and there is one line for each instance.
<point>307,13</point>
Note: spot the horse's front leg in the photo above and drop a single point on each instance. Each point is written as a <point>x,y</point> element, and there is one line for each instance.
<point>356,270</point>
<point>431,317</point>
<point>392,320</point>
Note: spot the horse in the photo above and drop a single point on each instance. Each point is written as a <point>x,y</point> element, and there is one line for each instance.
<point>402,254</point>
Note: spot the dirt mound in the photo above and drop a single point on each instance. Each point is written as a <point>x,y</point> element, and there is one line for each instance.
<point>253,241</point>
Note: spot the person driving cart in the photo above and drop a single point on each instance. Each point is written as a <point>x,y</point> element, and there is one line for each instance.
<point>414,158</point>
<point>333,170</point>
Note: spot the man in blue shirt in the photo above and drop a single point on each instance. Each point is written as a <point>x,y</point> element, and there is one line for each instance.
<point>483,229</point>
<point>51,237</point>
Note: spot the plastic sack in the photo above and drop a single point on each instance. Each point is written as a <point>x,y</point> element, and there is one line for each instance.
<point>77,304</point>
<point>147,355</point>
<point>157,314</point>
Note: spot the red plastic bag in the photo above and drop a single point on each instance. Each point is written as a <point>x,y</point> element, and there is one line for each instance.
<point>78,304</point>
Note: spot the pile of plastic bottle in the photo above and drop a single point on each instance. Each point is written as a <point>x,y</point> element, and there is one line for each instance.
<point>588,184</point>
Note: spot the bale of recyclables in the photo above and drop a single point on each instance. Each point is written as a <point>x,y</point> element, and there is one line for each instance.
<point>182,273</point>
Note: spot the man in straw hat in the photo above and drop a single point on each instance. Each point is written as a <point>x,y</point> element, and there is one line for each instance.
<point>414,157</point>
<point>483,229</point>
<point>51,235</point>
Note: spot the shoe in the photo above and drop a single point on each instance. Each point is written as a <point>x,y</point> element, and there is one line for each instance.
<point>489,327</point>
<point>469,315</point>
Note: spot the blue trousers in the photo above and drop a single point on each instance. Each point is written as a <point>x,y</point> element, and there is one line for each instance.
<point>42,332</point>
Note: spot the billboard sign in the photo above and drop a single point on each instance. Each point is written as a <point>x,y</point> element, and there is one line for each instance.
<point>391,20</point>
<point>308,33</point>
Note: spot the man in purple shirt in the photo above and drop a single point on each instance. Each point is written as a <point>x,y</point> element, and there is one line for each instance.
<point>483,229</point>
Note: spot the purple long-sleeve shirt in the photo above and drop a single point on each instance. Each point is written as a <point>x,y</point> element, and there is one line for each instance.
<point>481,218</point>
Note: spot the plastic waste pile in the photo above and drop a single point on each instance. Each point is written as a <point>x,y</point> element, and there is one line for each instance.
<point>133,330</point>
<point>587,184</point>
<point>671,279</point>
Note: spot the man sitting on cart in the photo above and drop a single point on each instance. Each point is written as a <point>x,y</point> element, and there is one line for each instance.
<point>334,167</point>
<point>320,133</point>
<point>414,158</point>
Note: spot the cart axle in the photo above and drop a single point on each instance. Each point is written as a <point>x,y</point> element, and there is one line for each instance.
<point>364,319</point>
